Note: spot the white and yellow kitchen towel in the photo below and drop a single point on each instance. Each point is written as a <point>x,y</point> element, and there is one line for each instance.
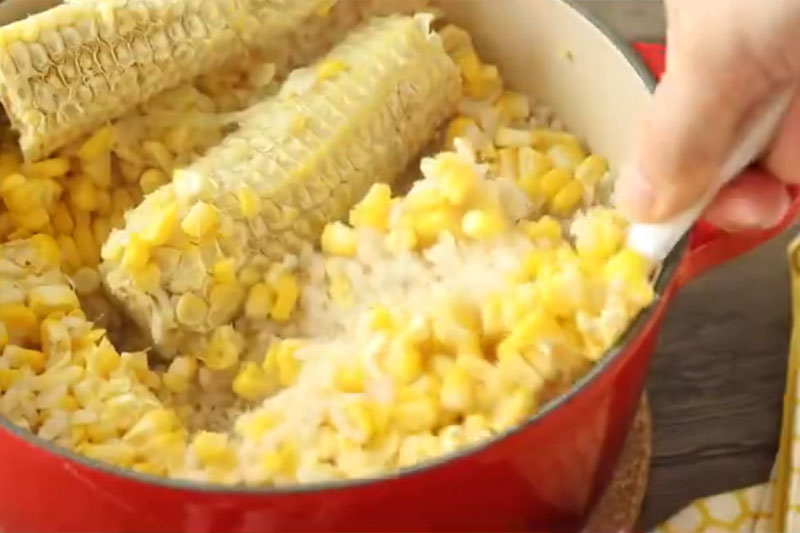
<point>772,507</point>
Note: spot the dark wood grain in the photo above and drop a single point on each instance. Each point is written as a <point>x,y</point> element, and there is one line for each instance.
<point>718,373</point>
<point>717,382</point>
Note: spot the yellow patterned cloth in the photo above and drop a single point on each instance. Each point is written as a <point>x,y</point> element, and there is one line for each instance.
<point>772,507</point>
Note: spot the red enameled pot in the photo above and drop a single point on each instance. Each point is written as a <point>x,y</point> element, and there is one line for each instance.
<point>542,476</point>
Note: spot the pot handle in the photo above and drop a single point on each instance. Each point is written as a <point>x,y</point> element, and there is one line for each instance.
<point>708,245</point>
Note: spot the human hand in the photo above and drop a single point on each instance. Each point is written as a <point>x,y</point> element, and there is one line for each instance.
<point>725,58</point>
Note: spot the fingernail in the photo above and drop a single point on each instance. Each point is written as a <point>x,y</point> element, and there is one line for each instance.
<point>634,194</point>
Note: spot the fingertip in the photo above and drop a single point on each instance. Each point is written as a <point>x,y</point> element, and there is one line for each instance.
<point>754,201</point>
<point>634,196</point>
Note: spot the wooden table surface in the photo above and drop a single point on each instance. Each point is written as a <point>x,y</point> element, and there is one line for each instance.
<point>718,372</point>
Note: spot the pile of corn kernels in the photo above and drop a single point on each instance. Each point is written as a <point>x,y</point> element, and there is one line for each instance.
<point>523,283</point>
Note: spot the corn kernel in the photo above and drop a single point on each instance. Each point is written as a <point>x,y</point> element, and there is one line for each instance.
<point>224,271</point>
<point>225,300</point>
<point>70,258</point>
<point>249,202</point>
<point>553,181</point>
<point>19,357</point>
<point>457,128</point>
<point>567,156</point>
<point>253,426</point>
<point>213,450</point>
<point>47,299</point>
<point>457,179</point>
<point>32,219</point>
<point>191,310</point>
<point>251,383</point>
<point>591,170</point>
<point>483,225</point>
<point>360,416</point>
<point>456,393</point>
<point>260,300</point>
<point>98,143</point>
<point>19,320</point>
<point>506,137</point>
<point>471,68</point>
<point>47,250</point>
<point>82,193</point>
<point>416,413</point>
<point>513,106</point>
<point>351,378</point>
<point>400,240</point>
<point>287,290</point>
<point>330,69</point>
<point>546,228</point>
<point>201,221</point>
<point>98,170</point>
<point>159,154</point>
<point>567,198</point>
<point>149,278</point>
<point>88,248</point>
<point>136,254</point>
<point>280,360</point>
<point>102,360</point>
<point>152,179</point>
<point>49,168</point>
<point>512,409</point>
<point>339,239</point>
<point>430,224</point>
<point>373,210</point>
<point>224,348</point>
<point>4,337</point>
<point>104,202</point>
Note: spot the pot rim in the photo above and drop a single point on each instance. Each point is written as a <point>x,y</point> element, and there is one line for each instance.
<point>663,280</point>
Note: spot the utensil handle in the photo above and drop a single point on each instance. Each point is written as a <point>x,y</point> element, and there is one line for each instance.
<point>656,240</point>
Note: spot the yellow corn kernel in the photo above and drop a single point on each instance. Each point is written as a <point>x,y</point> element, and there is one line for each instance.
<point>430,224</point>
<point>225,300</point>
<point>88,248</point>
<point>602,240</point>
<point>251,383</point>
<point>47,250</point>
<point>149,278</point>
<point>49,168</point>
<point>191,310</point>
<point>62,220</point>
<point>330,68</point>
<point>456,178</point>
<point>359,414</point>
<point>224,348</point>
<point>121,201</point>
<point>287,290</point>
<point>373,210</point>
<point>3,335</point>
<point>98,170</point>
<point>32,219</point>
<point>401,239</point>
<point>224,271</point>
<point>415,413</point>
<point>213,450</point>
<point>458,128</point>
<point>101,229</point>
<point>201,220</point>
<point>19,357</point>
<point>152,179</point>
<point>136,254</point>
<point>47,299</point>
<point>97,144</point>
<point>19,320</point>
<point>102,360</point>
<point>512,409</point>
<point>531,165</point>
<point>483,225</point>
<point>260,300</point>
<point>351,378</point>
<point>82,193</point>
<point>280,462</point>
<point>457,390</point>
<point>160,225</point>
<point>249,275</point>
<point>403,361</point>
<point>68,402</point>
<point>553,181</point>
<point>160,154</point>
<point>567,156</point>
<point>10,161</point>
<point>339,239</point>
<point>415,449</point>
<point>104,202</point>
<point>591,170</point>
<point>253,426</point>
<point>280,360</point>
<point>567,198</point>
<point>180,373</point>
<point>546,228</point>
<point>249,202</point>
<point>471,67</point>
<point>70,258</point>
<point>380,318</point>
<point>513,106</point>
<point>506,138</point>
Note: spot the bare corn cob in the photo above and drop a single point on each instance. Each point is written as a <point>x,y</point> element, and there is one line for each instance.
<point>67,70</point>
<point>196,249</point>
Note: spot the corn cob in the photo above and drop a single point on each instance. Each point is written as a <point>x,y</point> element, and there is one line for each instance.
<point>69,69</point>
<point>299,160</point>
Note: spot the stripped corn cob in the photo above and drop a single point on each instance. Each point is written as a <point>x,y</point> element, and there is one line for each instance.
<point>69,69</point>
<point>298,161</point>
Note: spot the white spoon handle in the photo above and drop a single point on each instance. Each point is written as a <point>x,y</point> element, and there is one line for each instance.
<point>656,240</point>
